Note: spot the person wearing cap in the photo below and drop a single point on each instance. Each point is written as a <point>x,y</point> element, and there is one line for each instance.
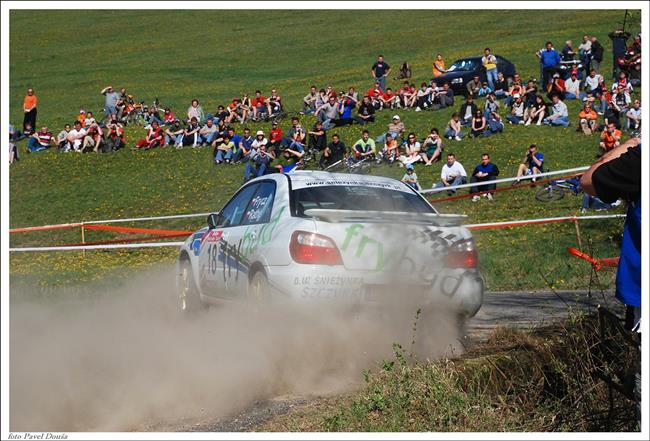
<point>559,113</point>
<point>259,141</point>
<point>410,178</point>
<point>572,87</point>
<point>40,140</point>
<point>208,132</point>
<point>516,115</point>
<point>395,129</point>
<point>555,87</point>
<point>111,99</point>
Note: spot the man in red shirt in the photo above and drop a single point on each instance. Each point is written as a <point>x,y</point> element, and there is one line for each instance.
<point>259,105</point>
<point>275,138</point>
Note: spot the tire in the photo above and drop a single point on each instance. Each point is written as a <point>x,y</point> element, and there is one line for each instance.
<point>550,193</point>
<point>258,288</point>
<point>188,294</point>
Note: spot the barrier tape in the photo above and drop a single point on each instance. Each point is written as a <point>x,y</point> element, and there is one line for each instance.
<point>104,242</point>
<point>137,230</point>
<point>499,181</point>
<point>505,224</point>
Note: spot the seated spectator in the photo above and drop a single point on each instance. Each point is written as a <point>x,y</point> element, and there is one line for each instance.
<point>389,100</point>
<point>13,149</point>
<point>93,139</point>
<point>536,112</point>
<point>432,148</point>
<point>530,92</point>
<point>473,86</point>
<point>236,112</point>
<point>412,149</point>
<point>168,117</point>
<point>424,97</point>
<point>28,130</point>
<point>407,95</point>
<point>243,149</point>
<point>516,88</point>
<point>591,83</point>
<point>221,115</point>
<point>633,117</point>
<point>491,104</point>
<point>345,107</point>
<point>174,133</point>
<point>191,134</point>
<point>195,111</point>
<point>610,138</point>
<point>611,117</point>
<point>275,139</point>
<point>621,101</point>
<point>588,119</point>
<point>572,87</point>
<point>154,138</point>
<point>410,178</point>
<point>484,90</point>
<point>494,124</point>
<point>295,125</point>
<point>259,142</point>
<point>452,174</point>
<point>327,113</point>
<point>76,136</point>
<point>404,71</point>
<point>114,139</point>
<point>375,94</point>
<point>366,112</point>
<point>260,164</point>
<point>333,153</point>
<point>390,150</point>
<point>444,97</point>
<point>309,101</point>
<point>531,165</point>
<point>296,148</point>
<point>274,104</point>
<point>317,139</point>
<point>40,140</point>
<point>486,171</point>
<point>555,87</point>
<point>352,96</point>
<point>478,125</point>
<point>594,203</point>
<point>63,145</point>
<point>395,129</point>
<point>467,111</point>
<point>501,86</point>
<point>454,128</point>
<point>224,151</point>
<point>559,113</point>
<point>623,82</point>
<point>89,120</point>
<point>151,115</point>
<point>364,148</point>
<point>82,117</point>
<point>259,106</point>
<point>207,133</point>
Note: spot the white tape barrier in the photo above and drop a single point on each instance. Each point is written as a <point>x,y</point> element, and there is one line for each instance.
<point>543,220</point>
<point>499,181</point>
<point>100,247</point>
<point>137,219</point>
<point>178,244</point>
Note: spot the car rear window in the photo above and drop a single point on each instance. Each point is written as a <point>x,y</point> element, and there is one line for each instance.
<point>340,197</point>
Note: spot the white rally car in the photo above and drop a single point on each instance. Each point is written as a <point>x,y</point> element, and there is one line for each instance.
<point>313,236</point>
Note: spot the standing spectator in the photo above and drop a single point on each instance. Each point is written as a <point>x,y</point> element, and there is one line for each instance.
<point>195,111</point>
<point>63,145</point>
<point>379,72</point>
<point>467,111</point>
<point>597,51</point>
<point>572,87</point>
<point>334,152</point>
<point>479,124</point>
<point>154,138</point>
<point>633,117</point>
<point>309,101</point>
<point>484,172</point>
<point>110,101</point>
<point>452,174</point>
<point>327,113</point>
<point>584,51</point>
<point>531,165</point>
<point>29,107</point>
<point>76,136</point>
<point>395,130</point>
<point>610,138</point>
<point>40,140</point>
<point>454,128</point>
<point>536,112</point>
<point>438,67</point>
<point>489,62</point>
<point>588,119</point>
<point>410,178</point>
<point>366,112</point>
<point>549,60</point>
<point>559,114</point>
<point>432,147</point>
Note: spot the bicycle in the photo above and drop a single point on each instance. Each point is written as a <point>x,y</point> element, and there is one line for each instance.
<point>346,165</point>
<point>555,190</point>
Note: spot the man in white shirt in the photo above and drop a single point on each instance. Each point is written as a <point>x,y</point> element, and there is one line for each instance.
<point>76,136</point>
<point>633,117</point>
<point>592,81</point>
<point>559,114</point>
<point>452,174</point>
<point>572,87</point>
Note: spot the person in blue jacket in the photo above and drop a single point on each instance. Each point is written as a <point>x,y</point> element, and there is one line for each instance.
<point>549,60</point>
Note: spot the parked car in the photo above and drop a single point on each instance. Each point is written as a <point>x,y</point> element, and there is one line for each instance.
<point>313,236</point>
<point>463,70</point>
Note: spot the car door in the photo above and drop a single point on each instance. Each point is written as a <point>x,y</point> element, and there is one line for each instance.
<point>217,251</point>
<point>245,238</point>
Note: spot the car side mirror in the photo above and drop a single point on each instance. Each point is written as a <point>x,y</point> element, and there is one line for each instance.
<point>213,220</point>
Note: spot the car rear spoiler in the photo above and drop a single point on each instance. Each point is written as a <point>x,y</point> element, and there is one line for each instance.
<point>441,220</point>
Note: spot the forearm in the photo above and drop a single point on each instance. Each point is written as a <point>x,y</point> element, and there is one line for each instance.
<point>586,181</point>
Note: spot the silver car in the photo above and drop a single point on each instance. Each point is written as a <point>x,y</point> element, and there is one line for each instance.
<point>313,236</point>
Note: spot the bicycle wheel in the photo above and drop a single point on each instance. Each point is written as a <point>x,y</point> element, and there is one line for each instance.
<point>550,193</point>
<point>362,168</point>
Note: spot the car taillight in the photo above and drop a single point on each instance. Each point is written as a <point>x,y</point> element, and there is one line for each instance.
<point>462,255</point>
<point>312,248</point>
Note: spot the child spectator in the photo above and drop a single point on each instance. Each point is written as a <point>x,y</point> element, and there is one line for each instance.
<point>224,151</point>
<point>454,127</point>
<point>410,178</point>
<point>390,150</point>
<point>610,138</point>
<point>484,172</point>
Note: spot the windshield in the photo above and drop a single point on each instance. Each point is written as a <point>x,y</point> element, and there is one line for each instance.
<point>462,65</point>
<point>339,197</point>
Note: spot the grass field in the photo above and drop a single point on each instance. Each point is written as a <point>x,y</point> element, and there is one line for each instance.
<point>214,55</point>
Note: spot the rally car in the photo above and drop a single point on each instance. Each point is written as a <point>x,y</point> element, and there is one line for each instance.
<point>316,236</point>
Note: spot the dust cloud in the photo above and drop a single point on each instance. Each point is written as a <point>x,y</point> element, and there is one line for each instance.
<point>130,360</point>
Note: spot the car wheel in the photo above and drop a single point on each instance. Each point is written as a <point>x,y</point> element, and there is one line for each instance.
<point>188,294</point>
<point>258,289</point>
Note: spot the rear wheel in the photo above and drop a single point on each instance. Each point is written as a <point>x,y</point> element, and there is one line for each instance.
<point>550,193</point>
<point>188,294</point>
<point>258,289</point>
